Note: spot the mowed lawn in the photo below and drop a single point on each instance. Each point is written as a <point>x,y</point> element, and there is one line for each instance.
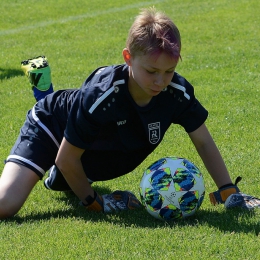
<point>220,57</point>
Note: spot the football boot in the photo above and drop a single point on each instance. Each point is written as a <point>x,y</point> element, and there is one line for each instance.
<point>38,72</point>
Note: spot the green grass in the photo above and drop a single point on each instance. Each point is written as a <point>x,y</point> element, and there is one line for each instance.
<point>220,58</point>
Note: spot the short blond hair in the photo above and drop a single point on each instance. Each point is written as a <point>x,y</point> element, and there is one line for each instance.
<point>153,32</point>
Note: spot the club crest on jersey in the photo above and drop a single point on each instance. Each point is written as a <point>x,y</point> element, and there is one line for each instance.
<point>154,132</point>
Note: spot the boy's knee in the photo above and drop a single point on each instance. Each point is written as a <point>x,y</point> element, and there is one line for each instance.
<point>7,210</point>
<point>16,183</point>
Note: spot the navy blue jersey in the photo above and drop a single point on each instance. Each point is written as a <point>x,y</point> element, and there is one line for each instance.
<point>102,118</point>
<point>105,117</point>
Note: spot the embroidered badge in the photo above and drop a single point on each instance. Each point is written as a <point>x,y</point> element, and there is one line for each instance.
<point>154,132</point>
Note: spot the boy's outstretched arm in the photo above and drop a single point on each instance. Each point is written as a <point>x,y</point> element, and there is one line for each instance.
<point>227,193</point>
<point>68,161</point>
<point>210,155</point>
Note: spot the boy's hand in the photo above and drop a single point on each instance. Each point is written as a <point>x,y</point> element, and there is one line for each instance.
<point>242,200</point>
<point>116,201</point>
<point>120,200</point>
<point>231,197</point>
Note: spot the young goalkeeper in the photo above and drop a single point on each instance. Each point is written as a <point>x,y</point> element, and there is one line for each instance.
<point>111,124</point>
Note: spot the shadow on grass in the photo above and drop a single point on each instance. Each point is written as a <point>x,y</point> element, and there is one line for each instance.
<point>9,73</point>
<point>233,220</point>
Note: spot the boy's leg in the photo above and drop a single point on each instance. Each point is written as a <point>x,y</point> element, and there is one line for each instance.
<point>56,181</point>
<point>16,183</point>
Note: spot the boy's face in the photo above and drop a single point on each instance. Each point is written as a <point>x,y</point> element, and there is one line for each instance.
<point>150,74</point>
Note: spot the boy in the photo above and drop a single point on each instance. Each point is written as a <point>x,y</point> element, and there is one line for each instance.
<point>109,120</point>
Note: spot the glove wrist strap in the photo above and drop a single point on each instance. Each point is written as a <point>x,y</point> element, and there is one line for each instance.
<point>94,203</point>
<point>224,192</point>
<point>220,196</point>
<point>89,200</point>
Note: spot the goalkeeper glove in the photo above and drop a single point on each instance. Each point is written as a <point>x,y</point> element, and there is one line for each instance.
<point>116,201</point>
<point>242,200</point>
<point>231,196</point>
<point>220,196</point>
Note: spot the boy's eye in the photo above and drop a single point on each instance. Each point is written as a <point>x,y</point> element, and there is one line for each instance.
<point>153,72</point>
<point>150,72</point>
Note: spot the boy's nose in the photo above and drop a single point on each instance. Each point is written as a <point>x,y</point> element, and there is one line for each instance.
<point>159,81</point>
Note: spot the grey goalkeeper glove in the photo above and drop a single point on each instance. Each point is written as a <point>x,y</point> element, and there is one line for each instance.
<point>231,197</point>
<point>242,200</point>
<point>116,201</point>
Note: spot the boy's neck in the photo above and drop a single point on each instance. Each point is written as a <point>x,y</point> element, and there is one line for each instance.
<point>138,95</point>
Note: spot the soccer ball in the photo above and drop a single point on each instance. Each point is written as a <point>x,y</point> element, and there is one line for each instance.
<point>172,188</point>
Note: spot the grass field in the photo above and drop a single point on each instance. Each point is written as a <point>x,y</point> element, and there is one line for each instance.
<point>220,57</point>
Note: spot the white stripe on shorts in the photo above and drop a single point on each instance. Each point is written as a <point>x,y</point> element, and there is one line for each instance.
<point>17,157</point>
<point>45,128</point>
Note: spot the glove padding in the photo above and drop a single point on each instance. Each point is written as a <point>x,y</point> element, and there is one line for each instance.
<point>232,197</point>
<point>220,196</point>
<point>116,201</point>
<point>242,200</point>
<point>120,200</point>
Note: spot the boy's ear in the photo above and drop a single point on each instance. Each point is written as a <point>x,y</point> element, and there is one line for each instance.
<point>127,56</point>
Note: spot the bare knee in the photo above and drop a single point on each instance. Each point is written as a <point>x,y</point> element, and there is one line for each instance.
<point>16,184</point>
<point>7,210</point>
